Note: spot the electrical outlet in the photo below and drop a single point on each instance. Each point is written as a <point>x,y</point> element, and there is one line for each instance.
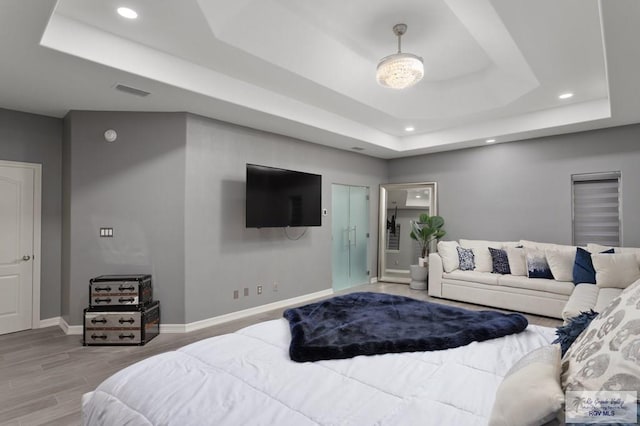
<point>236,294</point>
<point>259,289</point>
<point>246,291</point>
<point>106,232</point>
<point>275,286</point>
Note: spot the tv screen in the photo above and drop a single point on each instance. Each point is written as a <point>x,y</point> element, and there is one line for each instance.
<point>280,197</point>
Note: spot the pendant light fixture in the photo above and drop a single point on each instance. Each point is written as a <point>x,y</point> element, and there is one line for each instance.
<point>400,70</point>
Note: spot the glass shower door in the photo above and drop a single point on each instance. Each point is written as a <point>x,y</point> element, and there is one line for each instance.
<point>350,228</point>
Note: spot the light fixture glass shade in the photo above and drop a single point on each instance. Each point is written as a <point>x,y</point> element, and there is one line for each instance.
<point>400,70</point>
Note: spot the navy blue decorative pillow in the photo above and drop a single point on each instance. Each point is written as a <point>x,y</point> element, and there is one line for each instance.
<point>466,259</point>
<point>537,266</point>
<point>583,270</point>
<point>567,334</point>
<point>500,261</point>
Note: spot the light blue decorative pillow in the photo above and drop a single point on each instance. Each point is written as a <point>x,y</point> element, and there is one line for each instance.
<point>537,266</point>
<point>466,259</point>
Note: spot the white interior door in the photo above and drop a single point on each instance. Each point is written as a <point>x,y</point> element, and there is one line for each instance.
<point>16,247</point>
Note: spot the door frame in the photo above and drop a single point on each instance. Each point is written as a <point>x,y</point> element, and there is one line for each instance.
<point>37,228</point>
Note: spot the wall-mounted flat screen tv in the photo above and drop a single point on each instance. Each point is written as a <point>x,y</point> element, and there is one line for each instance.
<point>280,198</point>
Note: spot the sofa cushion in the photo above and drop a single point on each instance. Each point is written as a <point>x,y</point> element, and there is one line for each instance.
<point>618,270</point>
<point>517,261</point>
<point>472,276</point>
<point>588,296</point>
<point>539,284</point>
<point>537,266</point>
<point>561,263</point>
<point>449,255</point>
<point>500,261</point>
<point>583,298</point>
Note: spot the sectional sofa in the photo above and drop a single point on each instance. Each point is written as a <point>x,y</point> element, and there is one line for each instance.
<point>567,289</point>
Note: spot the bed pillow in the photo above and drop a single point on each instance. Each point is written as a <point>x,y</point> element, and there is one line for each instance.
<point>537,266</point>
<point>561,263</point>
<point>500,261</point>
<point>618,270</point>
<point>465,259</point>
<point>449,255</point>
<point>606,356</point>
<point>536,375</point>
<point>568,333</point>
<point>517,261</point>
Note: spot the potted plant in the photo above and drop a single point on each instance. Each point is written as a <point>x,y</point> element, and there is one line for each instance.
<point>425,230</point>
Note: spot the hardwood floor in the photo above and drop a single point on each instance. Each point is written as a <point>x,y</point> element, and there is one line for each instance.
<point>43,372</point>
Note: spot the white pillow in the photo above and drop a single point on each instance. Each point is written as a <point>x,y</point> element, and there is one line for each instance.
<point>561,263</point>
<point>545,246</point>
<point>617,270</point>
<point>482,259</point>
<point>597,248</point>
<point>530,392</point>
<point>517,261</point>
<point>449,254</point>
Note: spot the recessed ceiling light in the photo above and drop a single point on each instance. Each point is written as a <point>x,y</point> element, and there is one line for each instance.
<point>417,196</point>
<point>127,13</point>
<point>409,129</point>
<point>565,95</point>
<point>490,140</point>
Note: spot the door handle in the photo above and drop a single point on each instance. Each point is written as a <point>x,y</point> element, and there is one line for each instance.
<point>26,257</point>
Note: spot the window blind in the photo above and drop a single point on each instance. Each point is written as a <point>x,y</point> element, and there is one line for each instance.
<point>596,209</point>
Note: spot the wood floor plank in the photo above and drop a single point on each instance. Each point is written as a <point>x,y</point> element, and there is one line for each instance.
<point>27,407</point>
<point>44,373</point>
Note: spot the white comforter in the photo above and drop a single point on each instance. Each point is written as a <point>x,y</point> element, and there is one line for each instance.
<point>247,378</point>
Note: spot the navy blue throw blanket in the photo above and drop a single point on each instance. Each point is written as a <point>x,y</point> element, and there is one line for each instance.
<point>377,323</point>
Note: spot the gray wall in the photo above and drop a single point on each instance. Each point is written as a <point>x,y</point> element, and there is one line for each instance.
<point>135,185</point>
<point>37,139</point>
<point>222,255</point>
<point>172,187</point>
<point>522,190</point>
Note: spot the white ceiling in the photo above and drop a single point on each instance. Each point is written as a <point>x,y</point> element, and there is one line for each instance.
<point>306,69</point>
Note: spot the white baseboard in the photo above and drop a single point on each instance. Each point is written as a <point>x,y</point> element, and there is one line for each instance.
<point>173,328</point>
<point>50,322</point>
<point>197,325</point>
<point>193,326</point>
<point>70,329</point>
<point>373,280</point>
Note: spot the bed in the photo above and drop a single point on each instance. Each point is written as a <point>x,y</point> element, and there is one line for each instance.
<point>248,378</point>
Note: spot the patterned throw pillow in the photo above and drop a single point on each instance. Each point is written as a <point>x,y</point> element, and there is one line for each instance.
<point>606,356</point>
<point>537,266</point>
<point>500,261</point>
<point>466,259</point>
